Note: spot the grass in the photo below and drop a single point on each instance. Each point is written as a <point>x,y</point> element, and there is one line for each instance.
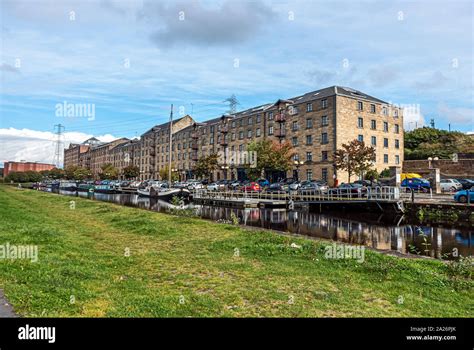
<point>105,260</point>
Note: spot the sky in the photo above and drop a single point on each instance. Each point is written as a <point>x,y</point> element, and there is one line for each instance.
<point>125,62</point>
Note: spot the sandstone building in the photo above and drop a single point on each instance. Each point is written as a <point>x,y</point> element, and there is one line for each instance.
<point>316,124</point>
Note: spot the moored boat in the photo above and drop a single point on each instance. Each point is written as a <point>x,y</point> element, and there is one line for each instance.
<point>163,193</point>
<point>86,188</point>
<point>104,189</point>
<point>68,186</point>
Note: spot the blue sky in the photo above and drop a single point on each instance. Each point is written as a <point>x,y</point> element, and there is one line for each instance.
<point>132,59</point>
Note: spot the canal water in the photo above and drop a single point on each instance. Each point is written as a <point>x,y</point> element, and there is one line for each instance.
<point>375,231</point>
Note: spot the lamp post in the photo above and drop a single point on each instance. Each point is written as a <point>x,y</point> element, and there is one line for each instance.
<point>298,163</point>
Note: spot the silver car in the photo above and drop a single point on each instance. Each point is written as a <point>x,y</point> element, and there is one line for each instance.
<point>450,185</point>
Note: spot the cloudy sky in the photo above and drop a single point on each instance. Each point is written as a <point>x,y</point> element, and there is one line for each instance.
<point>127,61</point>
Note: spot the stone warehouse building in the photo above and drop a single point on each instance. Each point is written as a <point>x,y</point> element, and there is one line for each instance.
<point>316,124</point>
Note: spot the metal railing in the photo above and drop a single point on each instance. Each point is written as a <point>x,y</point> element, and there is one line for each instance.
<point>386,193</point>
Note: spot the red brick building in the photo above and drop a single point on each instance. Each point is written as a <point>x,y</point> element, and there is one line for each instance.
<point>25,166</point>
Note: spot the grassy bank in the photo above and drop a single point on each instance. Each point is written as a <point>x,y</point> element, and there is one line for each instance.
<point>101,259</point>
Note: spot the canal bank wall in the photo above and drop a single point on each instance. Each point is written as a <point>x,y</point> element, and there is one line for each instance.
<point>441,213</point>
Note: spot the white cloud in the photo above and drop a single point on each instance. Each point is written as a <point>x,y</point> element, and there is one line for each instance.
<point>37,146</point>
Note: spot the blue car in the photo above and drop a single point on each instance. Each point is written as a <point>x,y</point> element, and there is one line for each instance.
<point>415,183</point>
<point>263,182</point>
<point>461,196</point>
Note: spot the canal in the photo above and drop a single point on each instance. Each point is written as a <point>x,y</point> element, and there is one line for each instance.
<point>390,234</point>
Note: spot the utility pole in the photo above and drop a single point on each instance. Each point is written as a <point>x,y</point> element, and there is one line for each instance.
<point>171,146</point>
<point>432,123</point>
<point>58,143</point>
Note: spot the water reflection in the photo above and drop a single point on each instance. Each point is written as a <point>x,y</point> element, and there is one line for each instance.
<point>374,232</point>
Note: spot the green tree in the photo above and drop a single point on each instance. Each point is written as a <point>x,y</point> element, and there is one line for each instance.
<point>109,172</point>
<point>354,157</point>
<point>69,172</point>
<point>164,174</point>
<point>56,173</point>
<point>427,142</point>
<point>371,175</point>
<point>131,171</point>
<point>270,156</point>
<point>205,166</point>
<point>385,173</point>
<point>82,174</point>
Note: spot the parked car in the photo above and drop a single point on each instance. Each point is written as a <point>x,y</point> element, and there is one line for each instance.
<point>263,182</point>
<point>194,185</point>
<point>450,185</point>
<point>461,196</point>
<point>277,187</point>
<point>294,185</point>
<point>466,183</point>
<point>311,188</point>
<point>368,183</point>
<point>235,185</point>
<point>213,186</point>
<point>415,183</point>
<point>251,187</point>
<point>349,190</point>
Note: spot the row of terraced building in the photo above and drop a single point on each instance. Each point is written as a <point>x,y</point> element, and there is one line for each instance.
<point>316,124</point>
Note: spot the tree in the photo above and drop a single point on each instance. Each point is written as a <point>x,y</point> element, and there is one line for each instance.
<point>82,174</point>
<point>164,174</point>
<point>69,172</point>
<point>56,173</point>
<point>205,166</point>
<point>385,173</point>
<point>354,157</point>
<point>270,156</point>
<point>108,172</point>
<point>427,142</point>
<point>131,171</point>
<point>371,175</point>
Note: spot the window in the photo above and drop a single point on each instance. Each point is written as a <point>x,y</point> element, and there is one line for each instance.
<point>309,140</point>
<point>270,115</point>
<point>212,128</point>
<point>373,124</point>
<point>250,121</point>
<point>373,141</point>
<point>241,148</point>
<point>309,174</point>
<point>293,110</point>
<point>241,135</point>
<point>257,118</point>
<point>360,106</point>
<point>324,103</point>
<point>395,112</point>
<point>397,129</point>
<point>384,110</point>
<point>324,120</point>
<point>294,141</point>
<point>309,123</point>
<point>270,130</point>
<point>324,155</point>
<point>385,158</point>
<point>233,136</point>
<point>385,126</point>
<point>309,107</point>
<point>324,174</point>
<point>324,138</point>
<point>360,122</point>
<point>397,143</point>
<point>385,142</point>
<point>249,134</point>
<point>257,132</point>
<point>372,108</point>
<point>294,125</point>
<point>241,122</point>
<point>233,124</point>
<point>397,159</point>
<point>360,138</point>
<point>296,156</point>
<point>309,156</point>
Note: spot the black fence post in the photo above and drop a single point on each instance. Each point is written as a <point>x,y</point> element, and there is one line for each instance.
<point>412,195</point>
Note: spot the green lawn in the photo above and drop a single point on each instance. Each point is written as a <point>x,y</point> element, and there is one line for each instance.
<point>181,266</point>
